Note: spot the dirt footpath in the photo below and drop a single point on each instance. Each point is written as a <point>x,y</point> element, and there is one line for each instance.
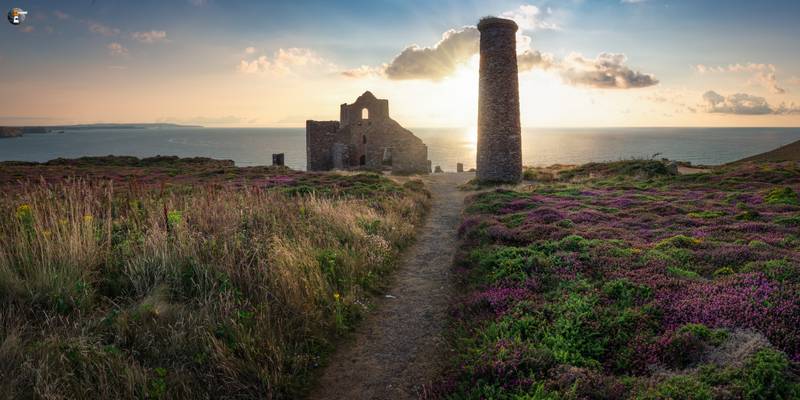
<point>399,347</point>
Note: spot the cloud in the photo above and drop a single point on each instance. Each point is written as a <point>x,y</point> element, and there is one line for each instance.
<point>790,109</point>
<point>763,74</point>
<point>205,120</point>
<point>529,60</point>
<point>100,29</point>
<point>365,71</point>
<point>606,71</point>
<point>744,104</point>
<point>457,46</point>
<point>226,119</point>
<point>116,49</point>
<point>150,37</point>
<point>284,62</point>
<point>437,62</point>
<point>198,3</point>
<point>250,50</point>
<point>768,80</point>
<point>530,17</point>
<point>677,99</point>
<point>794,80</point>
<point>632,1</point>
<point>61,15</point>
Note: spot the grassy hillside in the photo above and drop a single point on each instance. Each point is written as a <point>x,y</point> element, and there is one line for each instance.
<point>167,278</point>
<point>622,281</point>
<point>790,152</point>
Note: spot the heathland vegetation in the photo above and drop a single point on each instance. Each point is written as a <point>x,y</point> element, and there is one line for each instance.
<point>186,278</point>
<point>623,281</point>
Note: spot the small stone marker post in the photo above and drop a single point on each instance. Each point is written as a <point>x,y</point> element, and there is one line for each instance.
<point>277,160</point>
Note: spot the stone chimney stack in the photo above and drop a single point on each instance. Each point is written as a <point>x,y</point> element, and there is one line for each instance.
<point>499,133</point>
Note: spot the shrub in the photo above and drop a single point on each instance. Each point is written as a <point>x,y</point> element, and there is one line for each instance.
<point>625,293</point>
<point>689,344</point>
<point>724,271</point>
<point>793,220</point>
<point>715,337</point>
<point>781,270</point>
<point>706,214</point>
<point>784,195</point>
<point>678,241</point>
<point>748,215</point>
<point>767,376</point>
<point>514,263</point>
<point>679,388</point>
<point>572,336</point>
<point>574,243</point>
<point>625,168</point>
<point>682,273</point>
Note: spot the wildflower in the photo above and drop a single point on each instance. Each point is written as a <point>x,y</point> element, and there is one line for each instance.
<point>63,221</point>
<point>336,297</point>
<point>87,218</point>
<point>24,212</point>
<point>174,218</point>
<point>46,233</point>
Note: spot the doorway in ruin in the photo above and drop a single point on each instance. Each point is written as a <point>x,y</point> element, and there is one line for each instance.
<point>386,160</point>
<point>362,160</point>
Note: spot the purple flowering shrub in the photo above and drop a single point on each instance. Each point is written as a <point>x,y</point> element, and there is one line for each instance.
<point>618,281</point>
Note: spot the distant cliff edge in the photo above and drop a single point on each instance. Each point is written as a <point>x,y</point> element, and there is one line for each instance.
<point>9,132</point>
<point>790,152</point>
<point>17,131</point>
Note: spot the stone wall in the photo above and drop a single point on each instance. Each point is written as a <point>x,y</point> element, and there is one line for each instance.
<point>499,153</point>
<point>412,159</point>
<point>320,137</point>
<point>359,142</point>
<point>376,108</point>
<point>341,156</point>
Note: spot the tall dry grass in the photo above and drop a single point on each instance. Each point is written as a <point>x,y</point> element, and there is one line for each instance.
<point>186,293</point>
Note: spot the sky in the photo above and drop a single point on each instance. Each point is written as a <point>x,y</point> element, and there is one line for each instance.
<point>278,63</point>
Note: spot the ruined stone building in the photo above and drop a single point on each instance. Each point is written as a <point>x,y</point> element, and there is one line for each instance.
<point>364,137</point>
<point>499,155</point>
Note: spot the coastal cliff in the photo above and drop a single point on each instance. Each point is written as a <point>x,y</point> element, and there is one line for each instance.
<point>789,152</point>
<point>16,131</point>
<point>9,132</point>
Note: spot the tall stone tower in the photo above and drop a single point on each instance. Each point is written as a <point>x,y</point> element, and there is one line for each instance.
<point>499,133</point>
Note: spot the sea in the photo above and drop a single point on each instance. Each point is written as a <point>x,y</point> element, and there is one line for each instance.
<point>446,146</point>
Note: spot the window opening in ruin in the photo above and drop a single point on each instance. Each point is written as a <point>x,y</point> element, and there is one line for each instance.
<point>362,160</point>
<point>364,139</point>
<point>365,114</point>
